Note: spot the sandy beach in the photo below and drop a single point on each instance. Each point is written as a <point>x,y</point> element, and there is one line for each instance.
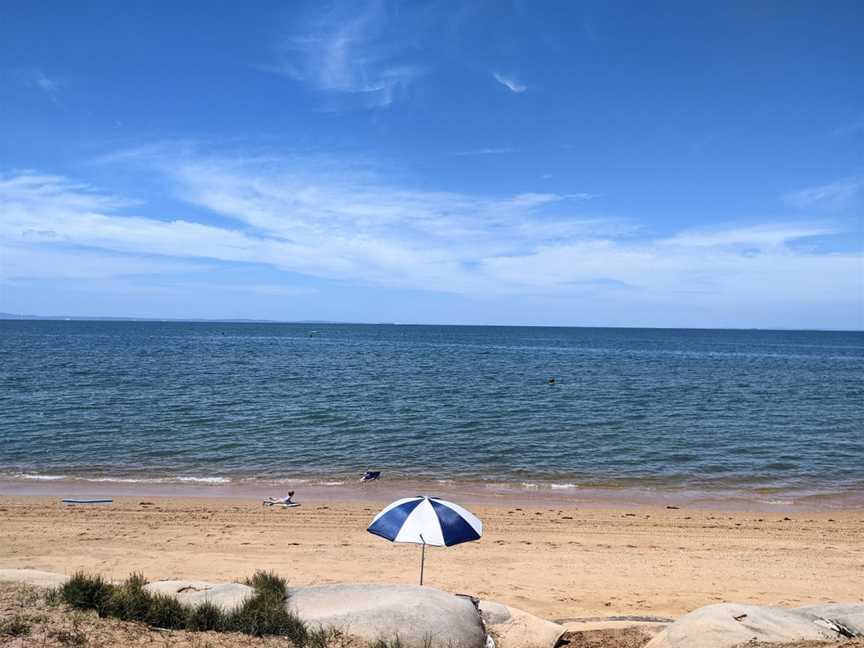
<point>555,561</point>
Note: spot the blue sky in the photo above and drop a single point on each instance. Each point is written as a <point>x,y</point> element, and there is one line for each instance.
<point>552,163</point>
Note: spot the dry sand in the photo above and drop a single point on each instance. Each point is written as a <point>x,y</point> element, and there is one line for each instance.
<point>553,561</point>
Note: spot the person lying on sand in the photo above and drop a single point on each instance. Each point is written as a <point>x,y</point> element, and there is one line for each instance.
<point>285,501</point>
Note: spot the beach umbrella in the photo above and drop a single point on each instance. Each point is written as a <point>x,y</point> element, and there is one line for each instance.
<point>426,521</point>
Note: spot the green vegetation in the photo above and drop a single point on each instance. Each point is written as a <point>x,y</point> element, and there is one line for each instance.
<point>263,613</point>
<point>74,637</point>
<point>87,592</point>
<point>17,626</point>
<point>263,581</point>
<point>167,612</point>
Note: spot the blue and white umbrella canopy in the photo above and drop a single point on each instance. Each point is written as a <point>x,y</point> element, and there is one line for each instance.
<point>427,521</point>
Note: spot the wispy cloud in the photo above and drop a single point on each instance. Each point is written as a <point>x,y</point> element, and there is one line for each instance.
<point>851,128</point>
<point>770,236</point>
<point>510,83</point>
<point>44,257</point>
<point>341,220</point>
<point>837,195</point>
<point>350,50</point>
<point>50,87</point>
<point>488,151</point>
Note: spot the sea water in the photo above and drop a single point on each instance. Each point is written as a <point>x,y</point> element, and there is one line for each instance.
<point>199,403</point>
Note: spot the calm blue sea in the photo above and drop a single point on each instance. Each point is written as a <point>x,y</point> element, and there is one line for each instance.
<point>685,409</point>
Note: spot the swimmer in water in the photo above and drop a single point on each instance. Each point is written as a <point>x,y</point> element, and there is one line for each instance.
<point>552,380</point>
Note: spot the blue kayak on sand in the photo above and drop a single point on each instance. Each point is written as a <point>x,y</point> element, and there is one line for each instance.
<point>87,501</point>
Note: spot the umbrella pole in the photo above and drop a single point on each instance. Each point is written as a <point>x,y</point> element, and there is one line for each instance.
<point>422,559</point>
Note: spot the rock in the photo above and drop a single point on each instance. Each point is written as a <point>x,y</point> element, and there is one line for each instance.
<point>514,628</point>
<point>728,624</point>
<point>840,616</point>
<point>31,577</point>
<point>420,616</point>
<point>226,595</point>
<point>494,613</point>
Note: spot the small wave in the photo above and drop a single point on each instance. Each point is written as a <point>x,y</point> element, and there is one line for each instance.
<point>778,502</point>
<point>121,480</point>
<point>530,485</point>
<point>205,480</point>
<point>331,483</point>
<point>562,486</point>
<point>264,480</point>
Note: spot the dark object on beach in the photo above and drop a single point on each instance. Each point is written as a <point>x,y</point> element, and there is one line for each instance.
<point>672,508</point>
<point>285,502</point>
<point>370,475</point>
<point>551,381</point>
<point>88,501</point>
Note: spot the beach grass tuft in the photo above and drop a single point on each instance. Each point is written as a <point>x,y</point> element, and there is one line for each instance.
<point>130,601</point>
<point>167,612</point>
<point>87,592</point>
<point>267,581</point>
<point>265,613</point>
<point>17,626</point>
<point>207,616</point>
<point>54,596</point>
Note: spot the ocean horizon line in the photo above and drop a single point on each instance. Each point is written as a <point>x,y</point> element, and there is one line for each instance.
<point>15,317</point>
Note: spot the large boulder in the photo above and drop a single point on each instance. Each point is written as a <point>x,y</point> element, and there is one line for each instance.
<point>226,595</point>
<point>31,577</point>
<point>514,628</point>
<point>847,618</point>
<point>419,616</point>
<point>728,624</point>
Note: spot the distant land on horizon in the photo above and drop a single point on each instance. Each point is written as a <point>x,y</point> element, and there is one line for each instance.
<point>97,318</point>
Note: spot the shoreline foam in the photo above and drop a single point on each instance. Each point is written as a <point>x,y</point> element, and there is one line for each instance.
<point>530,493</point>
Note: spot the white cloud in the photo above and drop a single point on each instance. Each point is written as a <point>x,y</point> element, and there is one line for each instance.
<point>275,290</point>
<point>49,86</point>
<point>23,261</point>
<point>488,151</point>
<point>343,50</point>
<point>833,196</point>
<point>348,222</point>
<point>757,236</point>
<point>510,83</point>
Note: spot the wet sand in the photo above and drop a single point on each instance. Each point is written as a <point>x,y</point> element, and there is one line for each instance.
<point>557,561</point>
